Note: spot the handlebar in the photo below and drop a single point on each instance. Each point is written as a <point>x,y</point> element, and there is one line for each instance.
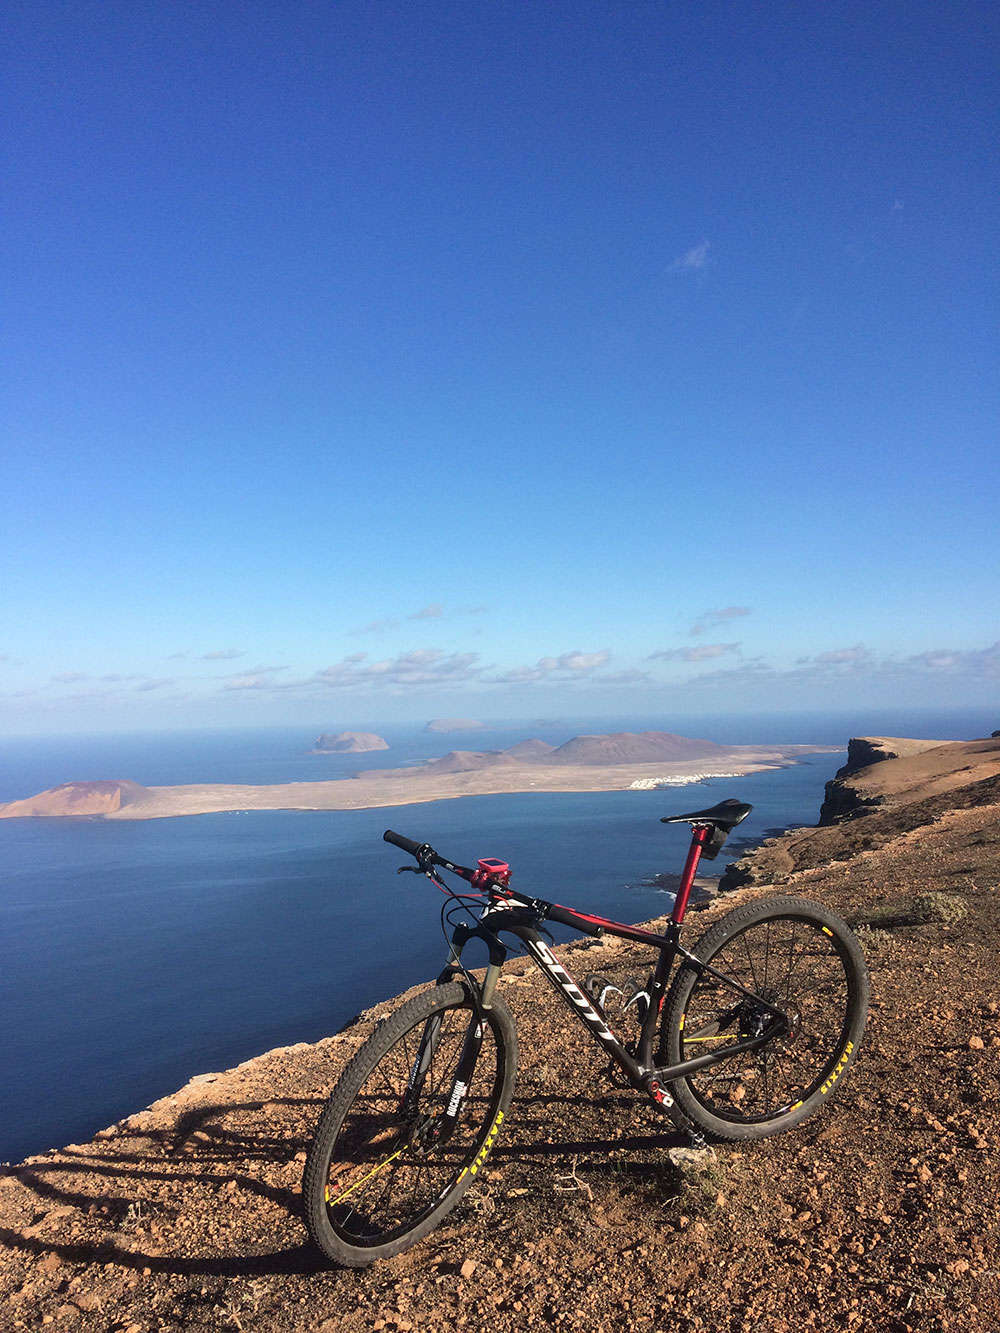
<point>421,850</point>
<point>426,856</point>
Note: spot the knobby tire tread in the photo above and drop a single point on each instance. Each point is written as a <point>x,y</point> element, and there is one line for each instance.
<point>439,998</point>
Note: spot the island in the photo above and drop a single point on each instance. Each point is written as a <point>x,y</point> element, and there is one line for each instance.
<point>619,761</point>
<point>348,742</point>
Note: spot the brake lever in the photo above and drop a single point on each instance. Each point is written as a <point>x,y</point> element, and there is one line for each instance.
<point>414,870</point>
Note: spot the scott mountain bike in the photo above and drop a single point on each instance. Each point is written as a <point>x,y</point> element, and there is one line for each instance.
<point>756,1031</point>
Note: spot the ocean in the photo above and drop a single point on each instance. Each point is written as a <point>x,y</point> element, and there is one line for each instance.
<point>137,954</point>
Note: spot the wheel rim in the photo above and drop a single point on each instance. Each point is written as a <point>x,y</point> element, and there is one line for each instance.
<point>801,967</point>
<point>391,1164</point>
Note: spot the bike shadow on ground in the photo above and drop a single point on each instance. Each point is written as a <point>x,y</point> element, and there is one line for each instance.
<point>99,1186</point>
<point>540,1135</point>
<point>117,1192</point>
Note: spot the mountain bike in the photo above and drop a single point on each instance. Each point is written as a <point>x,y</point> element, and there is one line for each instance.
<point>756,1031</point>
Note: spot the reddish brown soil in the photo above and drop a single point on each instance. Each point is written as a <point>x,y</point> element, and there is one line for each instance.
<point>880,1213</point>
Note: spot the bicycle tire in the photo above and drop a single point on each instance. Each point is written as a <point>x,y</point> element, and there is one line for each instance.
<point>362,1124</point>
<point>798,955</point>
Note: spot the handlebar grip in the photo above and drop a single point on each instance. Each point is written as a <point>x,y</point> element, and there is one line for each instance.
<point>404,844</point>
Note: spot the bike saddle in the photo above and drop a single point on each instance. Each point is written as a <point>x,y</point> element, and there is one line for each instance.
<point>726,815</point>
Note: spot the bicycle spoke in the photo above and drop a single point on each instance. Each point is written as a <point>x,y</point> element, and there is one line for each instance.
<point>788,962</point>
<point>397,1183</point>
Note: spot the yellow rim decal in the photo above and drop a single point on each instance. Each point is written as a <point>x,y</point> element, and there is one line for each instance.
<point>839,1069</point>
<point>484,1151</point>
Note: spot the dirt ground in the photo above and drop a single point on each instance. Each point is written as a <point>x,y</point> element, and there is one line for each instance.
<point>880,1213</point>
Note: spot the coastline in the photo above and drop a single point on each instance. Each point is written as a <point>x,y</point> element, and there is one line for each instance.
<point>194,1204</point>
<point>408,787</point>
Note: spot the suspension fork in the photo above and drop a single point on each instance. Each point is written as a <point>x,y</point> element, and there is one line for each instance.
<point>482,999</point>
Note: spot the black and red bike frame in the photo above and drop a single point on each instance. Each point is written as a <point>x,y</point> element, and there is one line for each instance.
<point>509,912</point>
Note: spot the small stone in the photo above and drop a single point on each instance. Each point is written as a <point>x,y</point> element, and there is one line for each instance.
<point>976,1043</point>
<point>467,1269</point>
<point>300,1156</point>
<point>51,1262</point>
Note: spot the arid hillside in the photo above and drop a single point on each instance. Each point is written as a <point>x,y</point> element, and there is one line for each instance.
<point>879,1214</point>
<point>102,797</point>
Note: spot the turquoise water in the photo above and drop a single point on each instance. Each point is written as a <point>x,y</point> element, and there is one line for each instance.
<point>138,954</point>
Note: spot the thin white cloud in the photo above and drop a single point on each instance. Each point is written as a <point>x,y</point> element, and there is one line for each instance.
<point>433,611</point>
<point>223,655</point>
<point>693,259</point>
<point>857,663</point>
<point>377,626</point>
<point>574,665</point>
<point>631,676</point>
<point>70,677</point>
<point>718,617</point>
<point>857,655</point>
<point>972,662</point>
<point>155,683</point>
<point>701,652</point>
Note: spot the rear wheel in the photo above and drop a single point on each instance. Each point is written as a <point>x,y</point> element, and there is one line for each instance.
<point>409,1125</point>
<point>788,953</point>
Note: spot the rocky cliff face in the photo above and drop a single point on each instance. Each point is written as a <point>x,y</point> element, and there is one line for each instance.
<point>878,802</point>
<point>846,799</point>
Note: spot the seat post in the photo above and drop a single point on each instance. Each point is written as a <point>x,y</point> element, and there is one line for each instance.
<point>699,836</point>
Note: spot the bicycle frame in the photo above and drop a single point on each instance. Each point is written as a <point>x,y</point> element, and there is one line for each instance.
<point>514,914</point>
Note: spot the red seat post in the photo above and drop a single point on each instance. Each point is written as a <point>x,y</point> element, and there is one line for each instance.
<point>699,836</point>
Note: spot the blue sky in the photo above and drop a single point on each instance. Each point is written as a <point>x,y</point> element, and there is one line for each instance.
<point>383,361</point>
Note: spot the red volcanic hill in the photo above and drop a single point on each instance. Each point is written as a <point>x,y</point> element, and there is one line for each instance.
<point>622,747</point>
<point>78,798</point>
<point>533,749</point>
<point>633,747</point>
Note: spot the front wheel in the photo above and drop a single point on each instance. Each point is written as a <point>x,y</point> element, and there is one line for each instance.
<point>794,955</point>
<point>409,1125</point>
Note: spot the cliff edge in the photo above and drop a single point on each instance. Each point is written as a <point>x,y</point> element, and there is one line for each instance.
<point>872,801</point>
<point>877,1214</point>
